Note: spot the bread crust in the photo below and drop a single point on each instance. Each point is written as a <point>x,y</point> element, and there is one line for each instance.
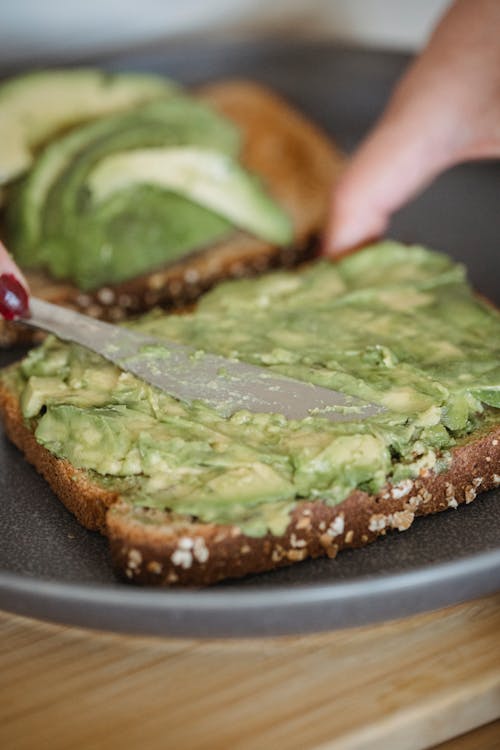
<point>155,548</point>
<point>297,163</point>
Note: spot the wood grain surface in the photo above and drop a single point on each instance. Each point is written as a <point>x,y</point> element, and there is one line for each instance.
<point>406,685</point>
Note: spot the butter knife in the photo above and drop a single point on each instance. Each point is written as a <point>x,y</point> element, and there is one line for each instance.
<point>189,375</point>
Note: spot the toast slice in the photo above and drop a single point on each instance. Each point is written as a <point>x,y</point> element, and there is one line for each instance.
<point>296,162</point>
<point>154,545</point>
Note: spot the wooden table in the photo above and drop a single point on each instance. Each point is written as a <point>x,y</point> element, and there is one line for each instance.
<point>406,685</point>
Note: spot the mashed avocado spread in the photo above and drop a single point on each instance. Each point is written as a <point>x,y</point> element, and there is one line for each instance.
<point>395,325</point>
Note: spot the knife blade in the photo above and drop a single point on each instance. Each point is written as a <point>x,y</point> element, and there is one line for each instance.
<point>187,374</point>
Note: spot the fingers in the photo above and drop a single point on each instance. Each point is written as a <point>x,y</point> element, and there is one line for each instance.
<point>446,109</point>
<point>405,152</point>
<point>14,291</point>
<point>7,266</point>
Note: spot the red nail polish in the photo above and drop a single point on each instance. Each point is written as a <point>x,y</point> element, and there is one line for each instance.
<point>14,301</point>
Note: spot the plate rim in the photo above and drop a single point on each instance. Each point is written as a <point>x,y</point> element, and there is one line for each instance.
<point>252,612</point>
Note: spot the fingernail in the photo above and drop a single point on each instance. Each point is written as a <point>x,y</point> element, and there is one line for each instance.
<point>14,302</point>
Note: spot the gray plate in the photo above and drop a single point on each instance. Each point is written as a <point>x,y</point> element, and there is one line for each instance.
<point>54,569</point>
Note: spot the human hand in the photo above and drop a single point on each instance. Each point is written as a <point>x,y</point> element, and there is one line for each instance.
<point>13,288</point>
<point>445,110</point>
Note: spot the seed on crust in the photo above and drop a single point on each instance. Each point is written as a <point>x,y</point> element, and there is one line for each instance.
<point>470,493</point>
<point>200,550</point>
<point>296,555</point>
<point>402,519</point>
<point>154,567</point>
<point>156,281</point>
<point>134,559</point>
<point>336,527</point>
<point>401,489</point>
<point>378,522</point>
<point>303,523</point>
<point>296,542</point>
<point>106,296</point>
<point>277,553</point>
<point>83,300</point>
<point>192,276</point>
<point>182,558</point>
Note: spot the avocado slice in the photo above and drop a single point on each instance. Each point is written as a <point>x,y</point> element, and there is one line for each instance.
<point>207,177</point>
<point>37,105</point>
<point>48,198</point>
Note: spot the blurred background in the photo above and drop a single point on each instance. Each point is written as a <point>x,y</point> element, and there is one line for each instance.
<point>52,30</point>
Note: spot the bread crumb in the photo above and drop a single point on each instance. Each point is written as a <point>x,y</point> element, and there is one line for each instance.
<point>494,441</point>
<point>349,536</point>
<point>452,503</point>
<point>496,478</point>
<point>245,549</point>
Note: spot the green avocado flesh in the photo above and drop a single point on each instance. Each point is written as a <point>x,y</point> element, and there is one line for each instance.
<point>53,223</point>
<point>35,106</point>
<point>395,325</point>
<point>212,179</point>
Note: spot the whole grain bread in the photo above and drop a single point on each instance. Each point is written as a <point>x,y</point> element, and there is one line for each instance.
<point>155,547</point>
<point>297,163</point>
